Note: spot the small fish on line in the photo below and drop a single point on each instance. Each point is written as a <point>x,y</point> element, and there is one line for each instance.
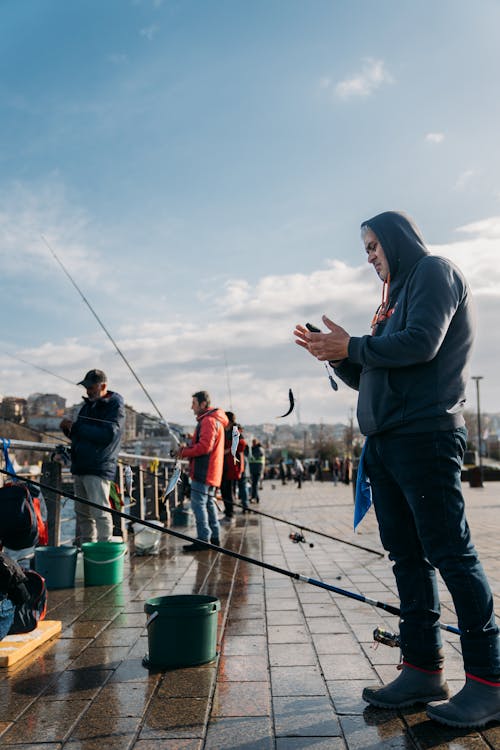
<point>235,439</point>
<point>291,407</point>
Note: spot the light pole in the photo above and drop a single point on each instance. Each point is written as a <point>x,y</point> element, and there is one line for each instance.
<point>477,378</point>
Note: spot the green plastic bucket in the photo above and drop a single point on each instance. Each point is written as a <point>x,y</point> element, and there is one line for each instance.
<point>182,630</point>
<point>57,565</point>
<point>103,563</point>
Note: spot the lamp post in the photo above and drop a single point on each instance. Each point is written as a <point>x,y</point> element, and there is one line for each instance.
<point>477,378</point>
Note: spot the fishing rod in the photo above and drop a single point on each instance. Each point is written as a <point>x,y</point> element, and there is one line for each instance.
<point>110,337</point>
<point>311,531</point>
<point>223,550</point>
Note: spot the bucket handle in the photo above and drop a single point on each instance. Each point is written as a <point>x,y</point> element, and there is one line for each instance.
<point>105,562</point>
<point>152,618</point>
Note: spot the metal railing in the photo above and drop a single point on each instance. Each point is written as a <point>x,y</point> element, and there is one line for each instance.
<point>146,500</point>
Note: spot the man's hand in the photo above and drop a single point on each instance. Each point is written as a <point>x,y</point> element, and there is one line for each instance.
<point>178,452</point>
<point>324,346</point>
<point>66,425</point>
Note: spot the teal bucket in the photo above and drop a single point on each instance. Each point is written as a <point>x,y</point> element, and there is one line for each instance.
<point>182,630</point>
<point>103,563</point>
<point>57,565</point>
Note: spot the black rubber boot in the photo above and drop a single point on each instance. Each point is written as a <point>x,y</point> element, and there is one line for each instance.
<point>412,686</point>
<point>476,704</point>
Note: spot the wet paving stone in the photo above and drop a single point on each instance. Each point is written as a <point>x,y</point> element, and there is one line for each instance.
<point>175,718</point>
<point>100,658</point>
<point>104,728</point>
<point>305,716</point>
<point>195,682</point>
<point>310,743</point>
<point>45,720</point>
<point>295,654</point>
<point>375,731</point>
<point>241,699</point>
<point>282,655</point>
<point>168,745</point>
<point>77,684</point>
<point>287,681</point>
<point>248,733</point>
<point>244,645</point>
<point>243,669</point>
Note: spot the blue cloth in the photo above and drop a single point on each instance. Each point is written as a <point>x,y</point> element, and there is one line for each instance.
<point>363,499</point>
<point>8,463</point>
<point>417,495</point>
<point>7,610</point>
<point>205,511</point>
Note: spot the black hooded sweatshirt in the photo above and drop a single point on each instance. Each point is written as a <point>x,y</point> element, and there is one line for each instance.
<point>412,372</point>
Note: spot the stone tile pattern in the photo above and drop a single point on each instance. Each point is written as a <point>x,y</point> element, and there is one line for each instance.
<point>292,658</point>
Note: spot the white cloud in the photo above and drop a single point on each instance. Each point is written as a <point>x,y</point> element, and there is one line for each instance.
<point>465,178</point>
<point>372,75</point>
<point>117,58</point>
<point>249,323</point>
<point>434,137</point>
<point>30,211</point>
<point>149,32</point>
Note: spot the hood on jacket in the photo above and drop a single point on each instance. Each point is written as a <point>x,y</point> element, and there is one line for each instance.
<point>401,241</point>
<point>219,414</point>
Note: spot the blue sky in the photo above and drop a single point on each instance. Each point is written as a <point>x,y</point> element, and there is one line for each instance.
<point>202,169</point>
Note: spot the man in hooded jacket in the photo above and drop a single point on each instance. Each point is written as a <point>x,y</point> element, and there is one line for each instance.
<point>411,374</point>
<point>206,455</point>
<point>95,444</point>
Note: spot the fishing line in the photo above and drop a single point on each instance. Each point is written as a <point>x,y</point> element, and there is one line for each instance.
<point>110,337</point>
<point>42,369</point>
<point>252,561</point>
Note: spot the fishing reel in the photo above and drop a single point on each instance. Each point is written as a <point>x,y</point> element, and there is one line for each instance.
<point>61,454</point>
<point>298,537</point>
<point>380,635</point>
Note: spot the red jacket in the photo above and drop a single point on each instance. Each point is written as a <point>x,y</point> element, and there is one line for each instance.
<point>206,453</point>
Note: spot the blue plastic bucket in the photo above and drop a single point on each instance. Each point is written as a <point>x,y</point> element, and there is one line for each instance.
<point>57,565</point>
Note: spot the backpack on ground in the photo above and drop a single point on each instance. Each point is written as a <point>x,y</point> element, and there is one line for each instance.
<point>18,519</point>
<point>28,614</point>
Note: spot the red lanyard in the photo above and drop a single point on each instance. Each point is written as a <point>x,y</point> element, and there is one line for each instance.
<point>382,312</point>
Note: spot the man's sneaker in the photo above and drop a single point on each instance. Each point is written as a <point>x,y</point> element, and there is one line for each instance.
<point>413,685</point>
<point>227,521</point>
<point>216,542</point>
<point>477,703</point>
<point>194,547</point>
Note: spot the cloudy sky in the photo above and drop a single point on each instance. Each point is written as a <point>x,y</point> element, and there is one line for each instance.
<point>201,167</point>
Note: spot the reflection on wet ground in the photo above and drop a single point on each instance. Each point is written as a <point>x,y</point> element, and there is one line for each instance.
<point>292,658</point>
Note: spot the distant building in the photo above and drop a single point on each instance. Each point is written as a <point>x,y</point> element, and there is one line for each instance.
<point>45,411</point>
<point>14,409</point>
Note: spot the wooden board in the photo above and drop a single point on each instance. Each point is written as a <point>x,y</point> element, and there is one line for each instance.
<point>15,647</point>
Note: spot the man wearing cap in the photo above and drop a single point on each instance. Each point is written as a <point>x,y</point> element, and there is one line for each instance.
<point>95,443</point>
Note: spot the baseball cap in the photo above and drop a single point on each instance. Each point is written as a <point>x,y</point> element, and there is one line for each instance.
<point>93,377</point>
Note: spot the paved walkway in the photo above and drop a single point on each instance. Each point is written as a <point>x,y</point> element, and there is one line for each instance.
<point>293,657</point>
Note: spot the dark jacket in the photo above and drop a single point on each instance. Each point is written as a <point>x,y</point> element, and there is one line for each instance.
<point>207,449</point>
<point>412,372</point>
<point>96,436</point>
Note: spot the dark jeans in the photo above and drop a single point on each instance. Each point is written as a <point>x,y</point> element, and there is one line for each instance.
<point>227,491</point>
<point>419,504</point>
<point>256,476</point>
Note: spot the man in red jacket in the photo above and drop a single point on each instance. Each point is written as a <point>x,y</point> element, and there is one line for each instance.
<point>206,456</point>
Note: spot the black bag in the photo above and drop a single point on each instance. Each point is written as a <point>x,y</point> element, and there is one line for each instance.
<point>28,614</point>
<point>13,580</point>
<point>18,521</point>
